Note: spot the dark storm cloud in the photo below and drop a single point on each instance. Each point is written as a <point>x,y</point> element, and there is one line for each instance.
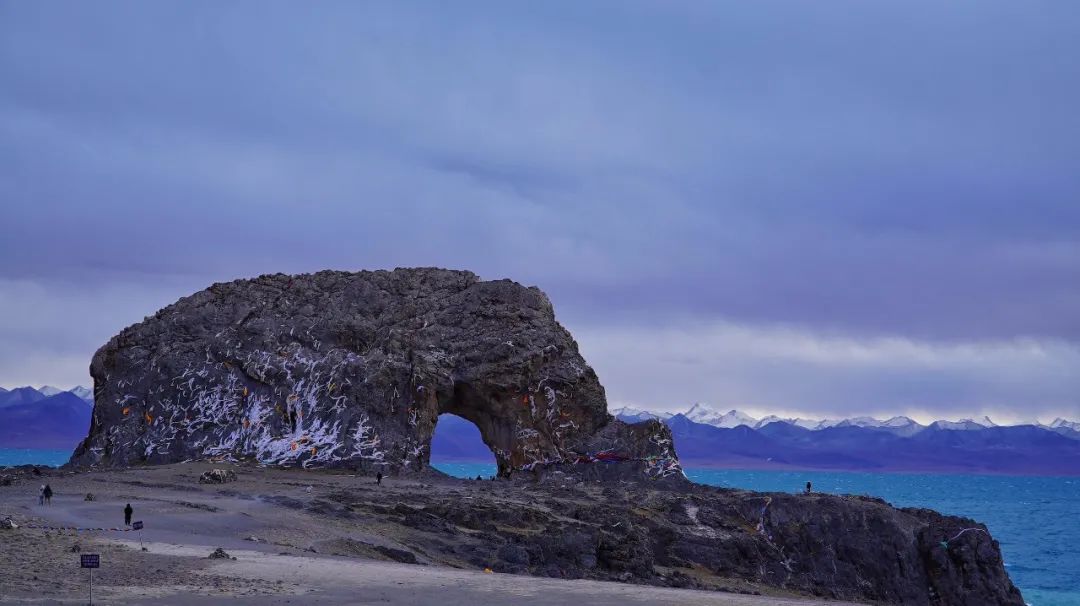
<point>873,170</point>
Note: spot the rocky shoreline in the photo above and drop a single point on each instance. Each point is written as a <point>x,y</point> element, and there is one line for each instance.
<point>675,534</point>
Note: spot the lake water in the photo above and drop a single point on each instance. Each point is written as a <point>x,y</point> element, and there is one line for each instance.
<point>1035,519</point>
<point>21,456</point>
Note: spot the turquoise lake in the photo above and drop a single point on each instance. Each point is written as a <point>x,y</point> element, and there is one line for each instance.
<point>21,456</point>
<point>1035,519</point>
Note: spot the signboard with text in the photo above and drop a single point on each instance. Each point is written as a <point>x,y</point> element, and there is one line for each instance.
<point>136,526</point>
<point>90,560</point>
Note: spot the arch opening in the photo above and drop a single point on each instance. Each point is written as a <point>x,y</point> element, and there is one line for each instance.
<point>458,449</point>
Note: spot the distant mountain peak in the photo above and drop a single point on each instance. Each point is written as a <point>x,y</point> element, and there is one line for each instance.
<point>83,392</point>
<point>27,394</point>
<point>963,425</point>
<point>57,421</point>
<point>20,395</point>
<point>860,422</point>
<point>899,421</point>
<point>771,419</point>
<point>706,415</point>
<point>634,415</point>
<point>699,408</point>
<point>1062,423</point>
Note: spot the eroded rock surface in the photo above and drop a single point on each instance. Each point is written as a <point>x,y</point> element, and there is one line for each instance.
<point>337,368</point>
<point>838,547</point>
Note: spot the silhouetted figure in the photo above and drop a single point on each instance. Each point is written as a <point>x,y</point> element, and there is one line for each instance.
<point>808,486</point>
<point>378,478</point>
<point>127,514</point>
<point>478,478</point>
<point>41,495</point>
<point>48,494</point>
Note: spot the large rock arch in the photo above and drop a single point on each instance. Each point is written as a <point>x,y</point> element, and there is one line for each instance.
<point>337,368</point>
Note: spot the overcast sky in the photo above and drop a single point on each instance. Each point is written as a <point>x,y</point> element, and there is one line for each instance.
<point>823,208</point>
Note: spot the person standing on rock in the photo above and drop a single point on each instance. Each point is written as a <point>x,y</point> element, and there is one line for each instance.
<point>808,486</point>
<point>127,514</point>
<point>378,478</point>
<point>47,492</point>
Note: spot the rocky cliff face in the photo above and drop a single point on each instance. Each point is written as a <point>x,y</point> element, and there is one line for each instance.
<point>336,368</point>
<point>838,547</point>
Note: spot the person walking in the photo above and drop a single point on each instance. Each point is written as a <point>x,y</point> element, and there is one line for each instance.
<point>48,494</point>
<point>41,495</point>
<point>127,514</point>
<point>378,478</point>
<point>808,487</point>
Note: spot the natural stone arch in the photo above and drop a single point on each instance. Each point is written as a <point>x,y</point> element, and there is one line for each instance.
<point>352,369</point>
<point>496,430</point>
<point>456,442</point>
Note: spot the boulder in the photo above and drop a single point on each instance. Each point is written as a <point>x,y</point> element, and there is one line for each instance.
<point>353,369</point>
<point>220,554</point>
<point>217,476</point>
<point>8,524</point>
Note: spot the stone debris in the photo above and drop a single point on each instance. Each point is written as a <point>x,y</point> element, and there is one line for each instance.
<point>217,476</point>
<point>220,554</point>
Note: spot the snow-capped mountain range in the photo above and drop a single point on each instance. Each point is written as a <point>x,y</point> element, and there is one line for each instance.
<point>46,418</point>
<point>900,425</point>
<point>1060,423</point>
<point>27,394</point>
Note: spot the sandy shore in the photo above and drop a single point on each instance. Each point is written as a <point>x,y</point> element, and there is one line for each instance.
<point>284,554</point>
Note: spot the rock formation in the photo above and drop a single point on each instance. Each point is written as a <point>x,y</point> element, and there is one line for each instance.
<point>336,368</point>
<point>850,548</point>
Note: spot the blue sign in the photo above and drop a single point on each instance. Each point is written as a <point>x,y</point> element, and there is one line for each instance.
<point>90,560</point>
<point>136,526</point>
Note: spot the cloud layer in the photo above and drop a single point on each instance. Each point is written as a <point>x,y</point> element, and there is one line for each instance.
<point>793,372</point>
<point>894,173</point>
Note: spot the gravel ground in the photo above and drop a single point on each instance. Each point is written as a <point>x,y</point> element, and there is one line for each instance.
<point>287,549</point>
